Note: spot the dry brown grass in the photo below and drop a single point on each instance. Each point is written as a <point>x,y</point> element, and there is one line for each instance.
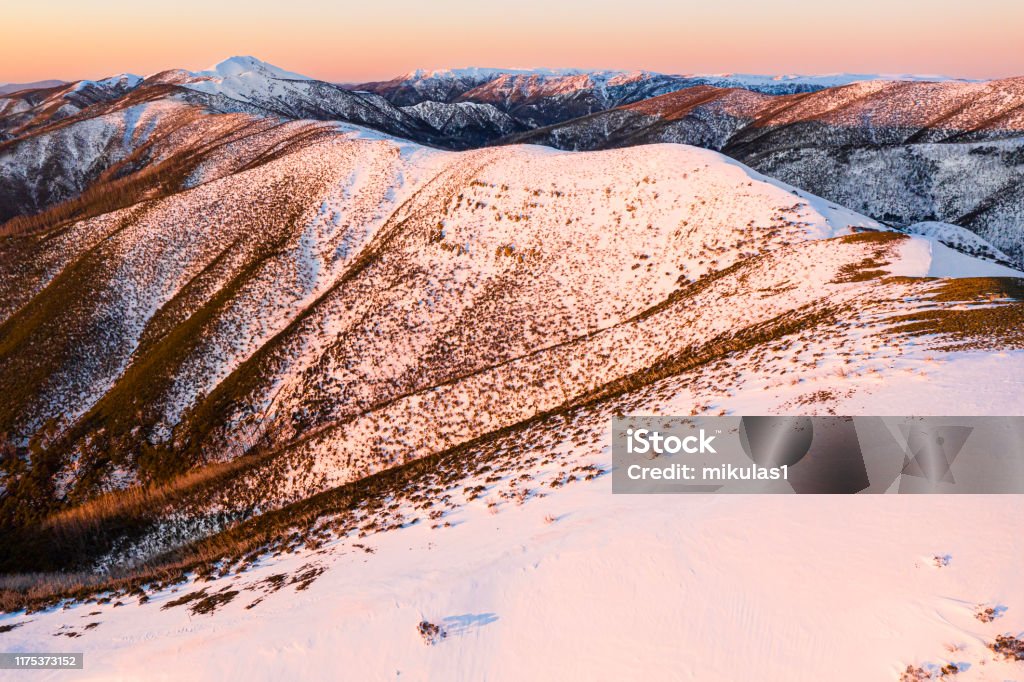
<point>871,266</point>
<point>342,511</point>
<point>102,197</point>
<point>138,501</point>
<point>986,326</point>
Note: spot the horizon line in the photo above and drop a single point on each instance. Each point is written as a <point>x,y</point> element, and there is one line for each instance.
<point>568,70</point>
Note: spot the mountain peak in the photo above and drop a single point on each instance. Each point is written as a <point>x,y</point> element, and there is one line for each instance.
<point>243,64</point>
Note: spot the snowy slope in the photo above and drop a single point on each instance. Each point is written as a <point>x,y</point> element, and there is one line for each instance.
<point>393,363</point>
<point>124,82</point>
<point>356,294</point>
<point>594,586</point>
<point>902,152</point>
<point>243,66</point>
<point>933,258</point>
<point>243,78</point>
<point>611,575</point>
<point>22,111</point>
<point>470,123</point>
<point>959,238</point>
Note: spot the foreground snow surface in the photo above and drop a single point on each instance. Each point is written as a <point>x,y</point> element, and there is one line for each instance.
<point>586,585</point>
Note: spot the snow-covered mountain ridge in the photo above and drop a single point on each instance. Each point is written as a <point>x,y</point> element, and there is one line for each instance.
<point>364,301</point>
<point>446,85</point>
<point>901,152</point>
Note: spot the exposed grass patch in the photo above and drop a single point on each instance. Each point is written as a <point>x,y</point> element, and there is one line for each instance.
<point>184,599</point>
<point>69,539</point>
<point>213,602</point>
<point>1009,647</point>
<point>870,267</point>
<point>283,530</point>
<point>996,323</point>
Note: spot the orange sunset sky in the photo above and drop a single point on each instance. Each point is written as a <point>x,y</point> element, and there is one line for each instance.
<point>344,41</point>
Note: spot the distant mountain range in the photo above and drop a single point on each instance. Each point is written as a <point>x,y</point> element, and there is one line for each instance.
<point>448,85</point>
<point>8,88</point>
<point>544,96</point>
